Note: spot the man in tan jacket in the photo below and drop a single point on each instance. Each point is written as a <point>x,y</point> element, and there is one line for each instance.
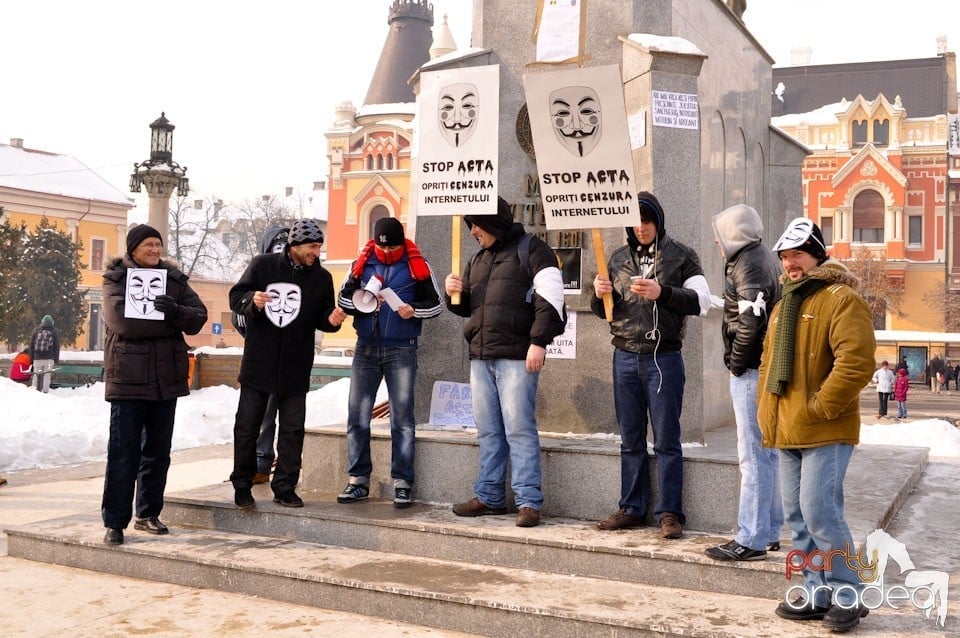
<point>818,355</point>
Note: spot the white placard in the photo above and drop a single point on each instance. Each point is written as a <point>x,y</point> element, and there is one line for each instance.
<point>637,123</point>
<point>456,169</point>
<point>451,404</point>
<point>391,298</point>
<point>143,286</point>
<point>675,110</point>
<point>565,346</point>
<point>579,128</point>
<point>558,36</point>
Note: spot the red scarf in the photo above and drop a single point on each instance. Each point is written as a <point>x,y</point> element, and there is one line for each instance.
<point>418,265</point>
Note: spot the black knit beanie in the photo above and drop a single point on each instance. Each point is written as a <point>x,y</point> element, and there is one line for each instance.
<point>388,231</point>
<point>138,233</point>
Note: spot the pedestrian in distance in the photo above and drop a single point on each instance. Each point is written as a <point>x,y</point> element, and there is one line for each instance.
<point>21,368</point>
<point>751,288</point>
<point>513,301</point>
<point>900,389</point>
<point>386,349</point>
<point>883,378</point>
<point>656,283</point>
<point>145,366</point>
<point>44,352</point>
<point>284,298</point>
<point>818,355</point>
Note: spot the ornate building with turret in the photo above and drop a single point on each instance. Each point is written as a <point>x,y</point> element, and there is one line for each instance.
<point>369,147</point>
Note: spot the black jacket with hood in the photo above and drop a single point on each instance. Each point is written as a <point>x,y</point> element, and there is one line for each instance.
<point>752,270</point>
<point>501,322</point>
<point>146,359</point>
<point>267,242</point>
<point>636,326</point>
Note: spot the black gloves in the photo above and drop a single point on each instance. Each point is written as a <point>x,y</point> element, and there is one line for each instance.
<point>166,305</point>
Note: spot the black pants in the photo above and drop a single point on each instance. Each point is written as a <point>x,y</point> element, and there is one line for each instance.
<point>292,411</point>
<point>884,399</point>
<point>138,457</point>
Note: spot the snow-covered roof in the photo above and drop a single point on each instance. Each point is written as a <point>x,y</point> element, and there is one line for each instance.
<point>825,115</point>
<point>54,174</point>
<point>453,55</point>
<point>397,108</point>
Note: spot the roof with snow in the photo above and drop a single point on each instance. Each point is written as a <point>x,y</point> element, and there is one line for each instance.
<point>53,174</point>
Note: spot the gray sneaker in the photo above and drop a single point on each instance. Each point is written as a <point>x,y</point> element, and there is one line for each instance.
<point>735,551</point>
<point>353,492</point>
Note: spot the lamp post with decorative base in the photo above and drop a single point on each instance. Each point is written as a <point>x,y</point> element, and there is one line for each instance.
<point>160,175</point>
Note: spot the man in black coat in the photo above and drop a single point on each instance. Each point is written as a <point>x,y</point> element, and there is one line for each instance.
<point>285,298</point>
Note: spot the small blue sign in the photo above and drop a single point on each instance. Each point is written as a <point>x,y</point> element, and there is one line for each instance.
<point>218,328</point>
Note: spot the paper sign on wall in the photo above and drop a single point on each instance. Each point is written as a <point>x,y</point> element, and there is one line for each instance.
<point>451,404</point>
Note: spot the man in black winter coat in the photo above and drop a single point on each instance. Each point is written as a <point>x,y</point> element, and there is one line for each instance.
<point>514,311</point>
<point>284,298</point>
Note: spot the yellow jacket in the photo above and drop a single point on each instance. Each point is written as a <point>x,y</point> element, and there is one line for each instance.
<point>833,362</point>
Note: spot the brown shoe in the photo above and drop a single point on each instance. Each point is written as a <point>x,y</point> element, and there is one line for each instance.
<point>619,520</point>
<point>670,526</point>
<point>528,517</point>
<point>260,477</point>
<point>474,507</point>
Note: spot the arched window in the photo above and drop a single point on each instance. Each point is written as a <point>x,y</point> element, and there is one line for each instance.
<point>370,162</point>
<point>859,133</point>
<point>868,217</point>
<point>881,132</point>
<point>390,161</point>
<point>379,212</point>
<point>379,162</point>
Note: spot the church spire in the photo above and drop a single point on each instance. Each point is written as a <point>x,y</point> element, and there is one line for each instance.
<point>406,49</point>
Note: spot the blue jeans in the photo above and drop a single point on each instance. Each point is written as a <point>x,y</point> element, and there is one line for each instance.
<point>268,430</point>
<point>648,388</point>
<point>760,516</point>
<point>812,491</point>
<point>371,365</point>
<point>902,406</point>
<point>138,457</point>
<point>504,407</point>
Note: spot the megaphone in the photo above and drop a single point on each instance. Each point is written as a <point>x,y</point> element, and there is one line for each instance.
<point>365,299</point>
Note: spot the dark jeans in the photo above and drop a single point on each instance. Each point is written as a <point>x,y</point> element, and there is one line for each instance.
<point>268,431</point>
<point>398,366</point>
<point>292,410</point>
<point>648,388</point>
<point>884,402</point>
<point>138,457</point>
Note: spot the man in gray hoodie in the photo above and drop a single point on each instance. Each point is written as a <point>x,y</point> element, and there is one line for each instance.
<point>751,288</point>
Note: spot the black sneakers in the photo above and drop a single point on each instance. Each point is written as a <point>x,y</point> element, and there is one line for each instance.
<point>840,619</point>
<point>243,497</point>
<point>353,492</point>
<point>401,497</point>
<point>735,551</point>
<point>288,499</point>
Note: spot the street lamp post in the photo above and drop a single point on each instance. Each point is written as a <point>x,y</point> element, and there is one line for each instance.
<point>160,174</point>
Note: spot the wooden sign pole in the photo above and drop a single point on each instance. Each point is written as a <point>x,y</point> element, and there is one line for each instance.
<point>602,269</point>
<point>455,254</point>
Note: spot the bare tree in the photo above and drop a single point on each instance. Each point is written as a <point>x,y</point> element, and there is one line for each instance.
<point>945,304</point>
<point>882,293</point>
<point>252,217</point>
<point>194,239</point>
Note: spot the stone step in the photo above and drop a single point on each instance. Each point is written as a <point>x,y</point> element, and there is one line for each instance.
<point>563,545</point>
<point>581,474</point>
<point>455,595</point>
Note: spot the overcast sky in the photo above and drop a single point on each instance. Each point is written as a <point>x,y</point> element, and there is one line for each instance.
<point>251,86</point>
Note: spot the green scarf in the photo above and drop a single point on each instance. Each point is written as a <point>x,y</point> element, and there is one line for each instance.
<point>784,341</point>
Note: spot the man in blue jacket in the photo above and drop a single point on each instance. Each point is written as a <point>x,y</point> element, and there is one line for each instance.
<point>284,298</point>
<point>386,350</point>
